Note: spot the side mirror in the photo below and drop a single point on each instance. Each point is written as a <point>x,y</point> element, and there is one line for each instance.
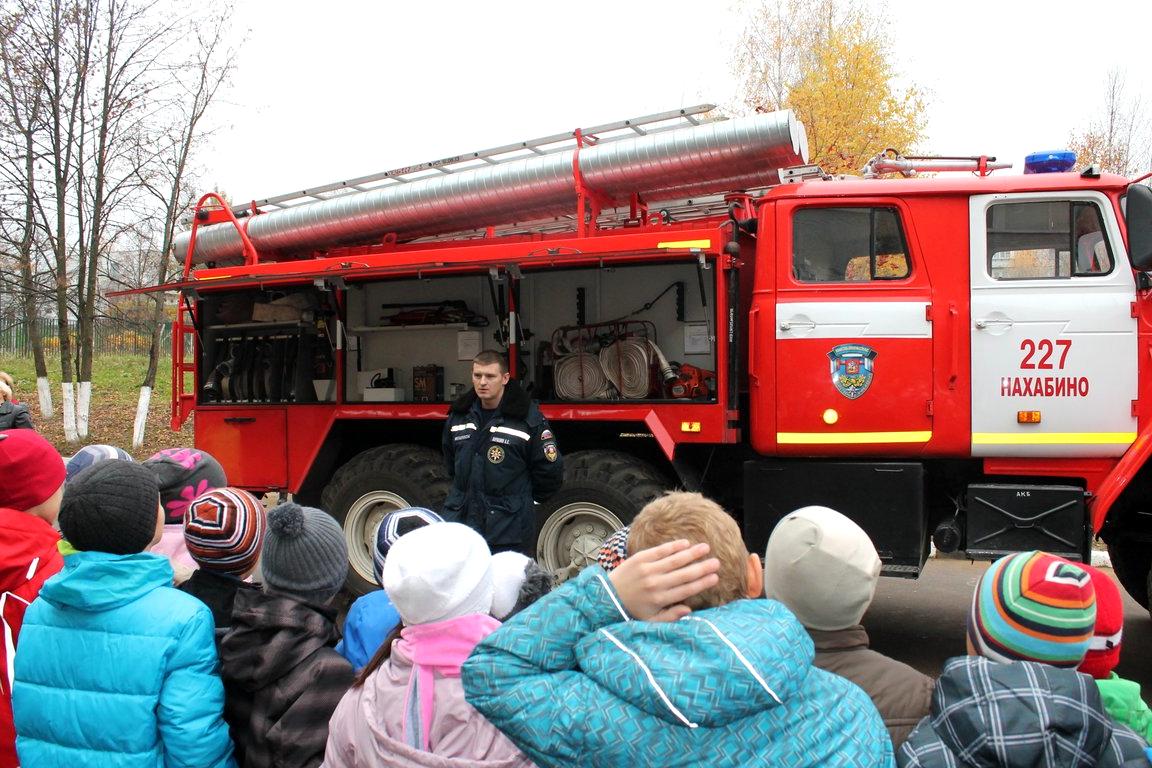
<point>1138,217</point>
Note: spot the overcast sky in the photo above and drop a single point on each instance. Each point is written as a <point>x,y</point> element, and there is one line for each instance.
<point>328,91</point>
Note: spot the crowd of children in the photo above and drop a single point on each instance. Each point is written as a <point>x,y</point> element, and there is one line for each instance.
<point>172,620</point>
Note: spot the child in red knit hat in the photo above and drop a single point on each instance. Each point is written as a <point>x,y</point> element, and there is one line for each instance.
<point>31,487</point>
<point>1121,697</point>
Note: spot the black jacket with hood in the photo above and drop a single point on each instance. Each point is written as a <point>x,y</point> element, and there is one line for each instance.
<point>498,468</point>
<point>282,679</point>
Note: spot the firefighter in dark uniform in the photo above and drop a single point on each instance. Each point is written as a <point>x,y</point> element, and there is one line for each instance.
<point>501,456</point>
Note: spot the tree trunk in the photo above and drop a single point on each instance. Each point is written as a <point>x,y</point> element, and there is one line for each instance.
<point>27,284</point>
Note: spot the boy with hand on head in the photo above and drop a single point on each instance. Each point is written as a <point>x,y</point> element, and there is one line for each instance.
<point>282,676</point>
<point>824,568</point>
<point>115,666</point>
<point>665,661</point>
<point>31,487</point>
<point>1017,699</point>
<point>224,531</point>
<point>1121,697</point>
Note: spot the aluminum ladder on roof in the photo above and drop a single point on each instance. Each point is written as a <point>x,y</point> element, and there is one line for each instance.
<point>545,145</point>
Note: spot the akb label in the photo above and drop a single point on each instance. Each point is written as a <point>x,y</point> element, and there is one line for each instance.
<point>852,369</point>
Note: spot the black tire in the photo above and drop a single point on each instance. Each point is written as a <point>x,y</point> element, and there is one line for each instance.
<point>602,492</point>
<point>1132,562</point>
<point>374,483</point>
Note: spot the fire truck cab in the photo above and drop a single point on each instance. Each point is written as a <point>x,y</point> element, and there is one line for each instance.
<point>960,358</point>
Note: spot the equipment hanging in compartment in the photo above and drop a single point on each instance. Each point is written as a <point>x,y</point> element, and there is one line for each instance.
<point>432,313</point>
<point>259,365</point>
<point>613,360</point>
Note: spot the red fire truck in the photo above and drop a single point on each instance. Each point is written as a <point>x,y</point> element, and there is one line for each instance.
<point>960,358</point>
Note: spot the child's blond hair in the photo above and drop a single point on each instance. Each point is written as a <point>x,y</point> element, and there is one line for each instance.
<point>691,516</point>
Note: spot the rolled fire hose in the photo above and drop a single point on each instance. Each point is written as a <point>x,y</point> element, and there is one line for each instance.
<point>627,366</point>
<point>579,376</point>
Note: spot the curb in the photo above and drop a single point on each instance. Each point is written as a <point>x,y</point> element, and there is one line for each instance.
<point>1100,557</point>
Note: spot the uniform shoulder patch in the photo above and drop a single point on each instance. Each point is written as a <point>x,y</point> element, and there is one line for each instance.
<point>550,451</point>
<point>546,434</point>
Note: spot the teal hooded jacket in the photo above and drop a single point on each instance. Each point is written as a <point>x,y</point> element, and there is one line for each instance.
<point>117,668</point>
<point>571,680</point>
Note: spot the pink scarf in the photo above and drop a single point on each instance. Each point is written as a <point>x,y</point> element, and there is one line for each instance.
<point>440,647</point>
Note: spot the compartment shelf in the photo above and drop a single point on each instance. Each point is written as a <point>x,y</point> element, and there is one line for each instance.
<point>358,329</point>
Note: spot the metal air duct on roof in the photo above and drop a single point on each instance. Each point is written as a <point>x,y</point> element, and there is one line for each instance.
<point>713,157</point>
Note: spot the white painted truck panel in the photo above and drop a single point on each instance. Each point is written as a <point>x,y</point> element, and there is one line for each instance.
<point>1065,347</point>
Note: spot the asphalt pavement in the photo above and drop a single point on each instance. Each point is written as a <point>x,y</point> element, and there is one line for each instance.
<point>921,622</point>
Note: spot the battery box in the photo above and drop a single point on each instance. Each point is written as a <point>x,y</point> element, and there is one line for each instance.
<point>1002,519</point>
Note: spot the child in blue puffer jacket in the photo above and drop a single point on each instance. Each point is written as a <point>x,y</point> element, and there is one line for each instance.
<point>666,661</point>
<point>115,666</point>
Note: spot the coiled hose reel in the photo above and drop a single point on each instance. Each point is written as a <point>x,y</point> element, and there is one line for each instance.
<point>622,369</point>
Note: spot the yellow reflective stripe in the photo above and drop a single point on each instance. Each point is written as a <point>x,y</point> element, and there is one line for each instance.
<point>850,438</point>
<point>1052,438</point>
<point>685,244</point>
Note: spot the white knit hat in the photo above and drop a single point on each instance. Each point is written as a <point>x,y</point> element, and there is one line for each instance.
<point>823,567</point>
<point>507,578</point>
<point>439,572</point>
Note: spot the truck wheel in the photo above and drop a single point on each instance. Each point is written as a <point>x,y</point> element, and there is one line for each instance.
<point>602,492</point>
<point>373,484</point>
<point>1132,562</point>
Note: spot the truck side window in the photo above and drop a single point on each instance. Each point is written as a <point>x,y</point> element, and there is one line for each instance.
<point>836,245</point>
<point>1046,240</point>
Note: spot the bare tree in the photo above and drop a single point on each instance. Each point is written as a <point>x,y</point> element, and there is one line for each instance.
<point>1118,139</point>
<point>199,79</point>
<point>23,103</point>
<point>65,31</point>
<point>126,86</point>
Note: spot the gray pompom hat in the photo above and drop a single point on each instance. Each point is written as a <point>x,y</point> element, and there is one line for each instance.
<point>305,554</point>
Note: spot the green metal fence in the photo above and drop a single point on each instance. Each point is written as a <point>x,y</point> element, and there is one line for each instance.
<point>113,336</point>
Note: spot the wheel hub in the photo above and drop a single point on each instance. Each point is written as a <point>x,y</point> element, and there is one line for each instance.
<point>360,526</point>
<point>572,537</point>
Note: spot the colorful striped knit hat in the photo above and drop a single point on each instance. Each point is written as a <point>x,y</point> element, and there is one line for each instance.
<point>224,530</point>
<point>1033,606</point>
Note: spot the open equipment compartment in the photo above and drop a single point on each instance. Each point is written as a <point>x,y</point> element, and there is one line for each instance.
<point>413,339</point>
<point>607,331</point>
<point>622,331</point>
<point>266,346</point>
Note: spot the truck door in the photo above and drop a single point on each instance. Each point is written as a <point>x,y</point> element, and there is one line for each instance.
<point>853,335</point>
<point>1053,337</point>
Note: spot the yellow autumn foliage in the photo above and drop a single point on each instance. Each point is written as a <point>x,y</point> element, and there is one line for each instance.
<point>848,102</point>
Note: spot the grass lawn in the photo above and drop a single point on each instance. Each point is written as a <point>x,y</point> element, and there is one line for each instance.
<point>115,392</point>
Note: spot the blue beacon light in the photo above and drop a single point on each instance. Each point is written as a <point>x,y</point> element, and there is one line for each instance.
<point>1050,162</point>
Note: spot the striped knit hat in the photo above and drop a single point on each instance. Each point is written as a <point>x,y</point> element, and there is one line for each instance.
<point>1033,606</point>
<point>92,454</point>
<point>393,526</point>
<point>224,530</point>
